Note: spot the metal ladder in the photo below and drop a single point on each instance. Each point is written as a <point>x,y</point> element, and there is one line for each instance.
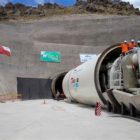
<point>120,73</point>
<point>118,80</point>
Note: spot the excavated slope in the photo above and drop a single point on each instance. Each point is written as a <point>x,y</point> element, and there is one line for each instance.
<point>71,35</point>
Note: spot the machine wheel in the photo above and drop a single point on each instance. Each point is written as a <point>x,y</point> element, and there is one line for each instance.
<point>132,111</point>
<point>123,109</point>
<point>109,106</point>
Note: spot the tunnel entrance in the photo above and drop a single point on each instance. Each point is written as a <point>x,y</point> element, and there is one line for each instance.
<point>56,86</point>
<point>34,88</point>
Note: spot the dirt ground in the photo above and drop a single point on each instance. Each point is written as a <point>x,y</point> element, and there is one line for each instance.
<point>60,120</point>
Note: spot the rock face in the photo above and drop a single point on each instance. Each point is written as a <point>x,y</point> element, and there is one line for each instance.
<point>108,7</point>
<point>19,11</point>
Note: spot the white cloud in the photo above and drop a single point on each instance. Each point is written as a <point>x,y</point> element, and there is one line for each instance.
<point>51,1</point>
<point>43,1</point>
<point>3,2</point>
<point>40,1</point>
<point>136,3</point>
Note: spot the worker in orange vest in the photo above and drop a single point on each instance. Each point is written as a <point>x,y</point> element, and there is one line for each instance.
<point>132,44</point>
<point>124,47</point>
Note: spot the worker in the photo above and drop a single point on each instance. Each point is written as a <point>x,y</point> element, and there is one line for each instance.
<point>132,44</point>
<point>138,43</point>
<point>124,47</point>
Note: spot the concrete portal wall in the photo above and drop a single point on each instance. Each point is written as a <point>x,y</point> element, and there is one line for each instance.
<point>71,35</point>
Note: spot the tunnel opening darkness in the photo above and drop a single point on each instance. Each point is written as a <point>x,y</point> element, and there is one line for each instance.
<point>57,89</point>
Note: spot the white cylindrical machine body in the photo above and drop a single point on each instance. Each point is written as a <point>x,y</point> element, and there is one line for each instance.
<point>85,84</point>
<point>79,84</point>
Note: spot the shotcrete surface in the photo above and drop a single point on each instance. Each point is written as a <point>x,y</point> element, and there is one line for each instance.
<point>70,35</point>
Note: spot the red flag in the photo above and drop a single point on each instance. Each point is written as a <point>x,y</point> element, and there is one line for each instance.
<point>5,50</point>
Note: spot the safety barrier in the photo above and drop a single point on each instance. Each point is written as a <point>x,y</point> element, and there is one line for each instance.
<point>98,109</point>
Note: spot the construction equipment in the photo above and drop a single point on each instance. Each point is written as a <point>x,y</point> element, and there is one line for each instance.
<point>111,79</point>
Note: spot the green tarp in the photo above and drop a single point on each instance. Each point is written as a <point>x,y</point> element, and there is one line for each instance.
<point>50,57</point>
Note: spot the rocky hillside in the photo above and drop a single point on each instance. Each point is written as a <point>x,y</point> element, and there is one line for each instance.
<point>20,11</point>
<point>108,7</point>
<point>16,11</point>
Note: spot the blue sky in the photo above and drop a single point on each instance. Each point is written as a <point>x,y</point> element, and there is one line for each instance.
<point>35,2</point>
<point>136,3</point>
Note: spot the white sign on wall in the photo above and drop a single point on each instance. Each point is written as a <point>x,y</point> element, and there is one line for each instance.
<point>87,57</point>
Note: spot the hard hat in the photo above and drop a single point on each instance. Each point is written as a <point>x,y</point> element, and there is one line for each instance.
<point>132,40</point>
<point>125,41</point>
